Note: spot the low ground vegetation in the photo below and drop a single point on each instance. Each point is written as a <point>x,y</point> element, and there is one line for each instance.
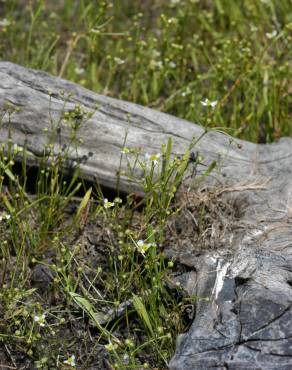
<point>84,281</point>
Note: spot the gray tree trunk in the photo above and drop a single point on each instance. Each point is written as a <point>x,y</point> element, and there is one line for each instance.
<point>246,322</point>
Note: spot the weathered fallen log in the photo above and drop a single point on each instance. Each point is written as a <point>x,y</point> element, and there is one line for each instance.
<point>247,321</point>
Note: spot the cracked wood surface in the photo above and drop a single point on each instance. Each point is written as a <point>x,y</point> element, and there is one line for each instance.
<point>247,321</point>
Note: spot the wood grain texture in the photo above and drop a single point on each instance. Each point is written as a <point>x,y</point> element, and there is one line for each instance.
<point>247,321</point>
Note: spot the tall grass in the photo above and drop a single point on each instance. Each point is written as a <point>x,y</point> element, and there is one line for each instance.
<point>169,55</point>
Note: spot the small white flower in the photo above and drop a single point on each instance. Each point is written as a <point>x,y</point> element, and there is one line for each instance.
<point>40,319</point>
<point>107,204</point>
<point>154,158</point>
<point>79,70</point>
<point>156,64</point>
<point>271,35</point>
<point>159,64</point>
<point>5,22</point>
<point>156,53</point>
<point>126,358</point>
<point>119,60</point>
<point>5,216</point>
<point>140,243</point>
<point>208,103</point>
<point>17,148</point>
<point>142,247</point>
<point>172,65</point>
<point>70,361</point>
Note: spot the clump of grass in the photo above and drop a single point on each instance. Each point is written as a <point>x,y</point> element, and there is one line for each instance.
<point>170,55</point>
<point>29,226</point>
<point>54,282</point>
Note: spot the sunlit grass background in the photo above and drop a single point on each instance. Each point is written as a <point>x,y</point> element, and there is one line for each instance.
<point>168,55</point>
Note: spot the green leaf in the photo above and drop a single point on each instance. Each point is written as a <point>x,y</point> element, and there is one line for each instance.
<point>142,312</point>
<point>181,169</point>
<point>7,204</point>
<point>7,171</point>
<point>210,168</point>
<point>9,174</point>
<point>166,160</point>
<point>83,203</point>
<point>86,306</point>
